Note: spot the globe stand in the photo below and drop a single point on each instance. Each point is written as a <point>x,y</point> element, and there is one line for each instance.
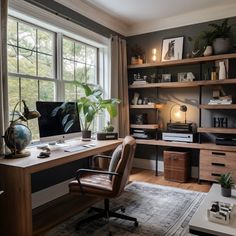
<point>20,154</point>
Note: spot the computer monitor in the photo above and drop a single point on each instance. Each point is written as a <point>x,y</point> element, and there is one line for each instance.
<point>52,125</point>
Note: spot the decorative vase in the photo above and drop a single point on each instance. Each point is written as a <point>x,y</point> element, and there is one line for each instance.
<point>86,135</point>
<point>225,192</point>
<point>208,51</point>
<point>222,70</point>
<point>221,45</point>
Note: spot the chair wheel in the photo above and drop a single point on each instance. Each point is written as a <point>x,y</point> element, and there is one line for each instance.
<point>122,209</point>
<point>136,223</point>
<point>110,234</point>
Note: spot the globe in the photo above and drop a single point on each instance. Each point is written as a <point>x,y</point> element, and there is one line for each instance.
<point>17,137</point>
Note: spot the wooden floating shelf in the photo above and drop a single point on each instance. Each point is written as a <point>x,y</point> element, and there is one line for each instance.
<point>218,106</point>
<point>144,126</point>
<point>148,106</point>
<point>194,60</point>
<point>217,130</point>
<point>184,84</point>
<point>206,146</point>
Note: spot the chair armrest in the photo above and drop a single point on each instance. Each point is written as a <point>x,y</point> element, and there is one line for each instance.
<point>82,171</point>
<point>102,156</point>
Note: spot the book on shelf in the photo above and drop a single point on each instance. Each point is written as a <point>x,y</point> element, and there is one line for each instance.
<point>137,82</point>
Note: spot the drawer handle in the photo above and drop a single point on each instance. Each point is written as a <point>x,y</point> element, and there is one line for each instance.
<point>174,158</point>
<point>218,153</point>
<point>217,164</point>
<point>215,174</point>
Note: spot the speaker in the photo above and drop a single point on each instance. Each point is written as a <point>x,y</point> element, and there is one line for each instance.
<point>107,136</point>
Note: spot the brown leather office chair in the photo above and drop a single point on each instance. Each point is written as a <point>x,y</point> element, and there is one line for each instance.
<point>107,184</point>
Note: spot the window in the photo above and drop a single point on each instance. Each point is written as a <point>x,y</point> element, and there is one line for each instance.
<point>31,65</point>
<point>36,72</point>
<point>79,64</point>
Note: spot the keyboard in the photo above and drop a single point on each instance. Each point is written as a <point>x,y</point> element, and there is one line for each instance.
<point>75,149</point>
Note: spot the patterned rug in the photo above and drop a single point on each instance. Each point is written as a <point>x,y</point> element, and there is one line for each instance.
<point>160,211</point>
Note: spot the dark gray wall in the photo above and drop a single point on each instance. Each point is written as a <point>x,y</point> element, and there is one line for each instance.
<point>188,96</point>
<point>152,40</point>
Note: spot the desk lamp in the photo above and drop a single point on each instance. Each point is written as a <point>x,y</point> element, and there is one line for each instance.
<point>18,135</point>
<point>182,108</point>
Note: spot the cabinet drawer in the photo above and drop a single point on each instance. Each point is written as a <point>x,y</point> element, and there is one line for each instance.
<point>214,163</point>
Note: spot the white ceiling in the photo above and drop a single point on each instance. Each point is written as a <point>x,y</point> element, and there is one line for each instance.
<point>130,17</point>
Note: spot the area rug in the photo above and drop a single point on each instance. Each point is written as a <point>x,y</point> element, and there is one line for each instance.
<point>160,211</point>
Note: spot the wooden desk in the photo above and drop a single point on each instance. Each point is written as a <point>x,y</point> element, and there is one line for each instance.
<point>15,180</point>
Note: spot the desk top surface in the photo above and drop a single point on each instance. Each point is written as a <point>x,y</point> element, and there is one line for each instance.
<point>200,222</point>
<point>58,156</point>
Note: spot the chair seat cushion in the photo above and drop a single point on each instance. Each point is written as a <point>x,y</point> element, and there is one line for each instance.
<point>92,183</point>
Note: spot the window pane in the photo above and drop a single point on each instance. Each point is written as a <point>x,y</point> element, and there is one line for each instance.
<point>29,91</point>
<point>12,31</point>
<point>45,42</point>
<point>34,128</point>
<point>68,70</point>
<point>27,36</point>
<point>27,62</point>
<point>70,92</point>
<point>46,90</point>
<point>13,91</point>
<point>12,59</point>
<point>68,49</point>
<point>45,65</point>
<point>91,55</point>
<point>80,72</point>
<point>91,74</point>
<point>80,52</point>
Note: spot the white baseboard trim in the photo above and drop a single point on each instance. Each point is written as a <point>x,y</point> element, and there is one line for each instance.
<point>48,194</point>
<point>151,165</point>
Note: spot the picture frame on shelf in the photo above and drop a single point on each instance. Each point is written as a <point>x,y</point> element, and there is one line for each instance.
<point>172,49</point>
<point>165,78</point>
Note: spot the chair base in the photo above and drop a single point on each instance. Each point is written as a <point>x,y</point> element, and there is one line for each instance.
<point>106,213</point>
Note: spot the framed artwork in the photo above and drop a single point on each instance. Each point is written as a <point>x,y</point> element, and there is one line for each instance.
<point>166,78</point>
<point>172,49</point>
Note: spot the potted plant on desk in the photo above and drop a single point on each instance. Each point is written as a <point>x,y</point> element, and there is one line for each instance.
<point>226,183</point>
<point>88,105</point>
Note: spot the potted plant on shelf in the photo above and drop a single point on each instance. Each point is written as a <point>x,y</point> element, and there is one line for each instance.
<point>226,183</point>
<point>221,37</point>
<point>137,55</point>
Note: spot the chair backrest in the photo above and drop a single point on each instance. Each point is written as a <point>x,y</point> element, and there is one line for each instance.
<point>124,165</point>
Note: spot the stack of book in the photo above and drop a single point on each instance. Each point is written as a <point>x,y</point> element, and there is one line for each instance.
<point>140,81</point>
<point>221,101</point>
<point>139,133</point>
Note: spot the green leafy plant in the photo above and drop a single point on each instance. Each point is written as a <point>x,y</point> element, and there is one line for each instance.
<point>137,51</point>
<point>108,128</point>
<point>226,180</point>
<point>88,106</point>
<point>220,31</point>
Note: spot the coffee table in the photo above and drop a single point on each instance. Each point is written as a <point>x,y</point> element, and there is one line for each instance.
<point>200,225</point>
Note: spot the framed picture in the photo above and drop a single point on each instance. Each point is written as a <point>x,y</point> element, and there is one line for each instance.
<point>166,78</point>
<point>172,49</point>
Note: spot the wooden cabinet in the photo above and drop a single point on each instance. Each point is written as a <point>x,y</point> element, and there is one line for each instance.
<point>176,166</point>
<point>214,163</point>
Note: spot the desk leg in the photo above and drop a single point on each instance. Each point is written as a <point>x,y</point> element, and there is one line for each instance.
<point>16,214</point>
<point>156,160</point>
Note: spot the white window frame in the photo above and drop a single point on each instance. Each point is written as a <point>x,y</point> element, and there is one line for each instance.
<point>30,13</point>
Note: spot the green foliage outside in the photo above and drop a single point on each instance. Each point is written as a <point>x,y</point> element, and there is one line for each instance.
<point>31,52</point>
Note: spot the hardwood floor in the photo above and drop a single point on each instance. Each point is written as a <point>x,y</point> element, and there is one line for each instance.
<point>149,177</point>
